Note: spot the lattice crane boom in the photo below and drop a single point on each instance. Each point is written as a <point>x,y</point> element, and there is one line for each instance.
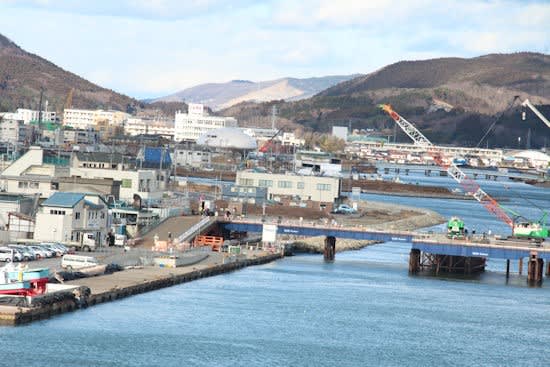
<point>527,103</point>
<point>467,184</point>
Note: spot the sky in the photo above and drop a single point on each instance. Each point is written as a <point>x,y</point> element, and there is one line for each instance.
<point>151,48</point>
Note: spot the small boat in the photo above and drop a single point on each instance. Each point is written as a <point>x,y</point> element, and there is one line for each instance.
<point>22,281</point>
<point>16,288</point>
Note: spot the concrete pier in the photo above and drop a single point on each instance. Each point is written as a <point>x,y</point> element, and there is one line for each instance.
<point>126,283</point>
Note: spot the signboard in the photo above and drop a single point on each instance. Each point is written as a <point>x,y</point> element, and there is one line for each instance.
<point>269,233</point>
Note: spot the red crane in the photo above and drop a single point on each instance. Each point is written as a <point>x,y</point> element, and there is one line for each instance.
<point>467,184</point>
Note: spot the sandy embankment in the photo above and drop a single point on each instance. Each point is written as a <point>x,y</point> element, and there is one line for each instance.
<point>387,217</point>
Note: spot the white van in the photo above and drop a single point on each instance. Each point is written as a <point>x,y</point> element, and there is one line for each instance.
<point>78,262</point>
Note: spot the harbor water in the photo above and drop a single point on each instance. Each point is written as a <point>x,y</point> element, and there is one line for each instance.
<point>362,310</point>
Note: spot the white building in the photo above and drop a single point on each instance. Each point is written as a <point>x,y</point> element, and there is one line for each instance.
<point>15,131</point>
<point>137,126</point>
<point>316,188</point>
<point>68,217</point>
<point>147,183</point>
<point>27,115</point>
<point>290,139</point>
<point>85,119</point>
<point>191,125</point>
<point>340,132</point>
<point>191,157</point>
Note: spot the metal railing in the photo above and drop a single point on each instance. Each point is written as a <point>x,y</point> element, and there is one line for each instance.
<point>197,227</point>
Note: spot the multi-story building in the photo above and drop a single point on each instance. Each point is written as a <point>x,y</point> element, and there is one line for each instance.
<point>15,131</point>
<point>191,125</point>
<point>86,119</point>
<point>80,136</point>
<point>147,183</point>
<point>27,115</point>
<point>69,217</point>
<point>191,157</point>
<point>35,174</point>
<point>137,126</point>
<point>307,188</point>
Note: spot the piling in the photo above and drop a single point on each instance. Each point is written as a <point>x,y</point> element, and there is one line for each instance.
<point>330,248</point>
<point>534,269</point>
<point>520,266</point>
<point>507,268</point>
<point>548,269</point>
<point>414,261</point>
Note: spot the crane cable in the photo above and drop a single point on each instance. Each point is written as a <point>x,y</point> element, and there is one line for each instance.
<point>524,198</point>
<point>497,120</point>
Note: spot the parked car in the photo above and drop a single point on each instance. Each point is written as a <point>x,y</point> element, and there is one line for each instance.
<point>7,254</point>
<point>40,252</point>
<point>344,209</point>
<point>28,255</point>
<point>51,247</point>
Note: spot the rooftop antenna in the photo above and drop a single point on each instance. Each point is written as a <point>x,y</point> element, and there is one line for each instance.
<point>273,116</point>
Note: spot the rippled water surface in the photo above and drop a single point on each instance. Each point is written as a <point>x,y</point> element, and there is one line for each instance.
<point>362,310</point>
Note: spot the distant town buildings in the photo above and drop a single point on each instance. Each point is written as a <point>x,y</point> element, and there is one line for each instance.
<point>26,115</point>
<point>136,126</point>
<point>191,125</point>
<point>85,119</point>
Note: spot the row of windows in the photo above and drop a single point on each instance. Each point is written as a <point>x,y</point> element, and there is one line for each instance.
<point>94,215</point>
<point>283,184</point>
<point>25,185</point>
<point>57,212</point>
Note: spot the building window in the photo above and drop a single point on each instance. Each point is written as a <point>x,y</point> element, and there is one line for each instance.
<point>323,187</point>
<point>126,183</point>
<point>33,185</point>
<point>284,184</point>
<point>300,185</point>
<point>246,182</point>
<point>77,215</point>
<point>23,185</point>
<point>265,183</point>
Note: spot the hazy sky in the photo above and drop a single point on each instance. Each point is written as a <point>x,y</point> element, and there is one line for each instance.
<point>153,48</point>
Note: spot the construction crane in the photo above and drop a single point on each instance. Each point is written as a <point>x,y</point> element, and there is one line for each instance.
<point>536,231</point>
<point>468,185</point>
<point>268,144</point>
<point>527,103</point>
<point>69,100</point>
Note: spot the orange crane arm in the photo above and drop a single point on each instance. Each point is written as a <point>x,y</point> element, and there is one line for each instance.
<point>467,184</point>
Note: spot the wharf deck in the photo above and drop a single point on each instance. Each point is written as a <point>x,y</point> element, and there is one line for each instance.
<point>122,284</point>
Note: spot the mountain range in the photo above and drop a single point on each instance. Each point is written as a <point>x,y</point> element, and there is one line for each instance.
<point>222,95</point>
<point>452,100</point>
<point>23,75</point>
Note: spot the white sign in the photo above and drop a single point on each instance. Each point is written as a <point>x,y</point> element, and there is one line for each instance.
<point>269,233</point>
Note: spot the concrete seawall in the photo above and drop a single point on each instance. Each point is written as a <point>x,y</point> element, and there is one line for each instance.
<point>105,288</point>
